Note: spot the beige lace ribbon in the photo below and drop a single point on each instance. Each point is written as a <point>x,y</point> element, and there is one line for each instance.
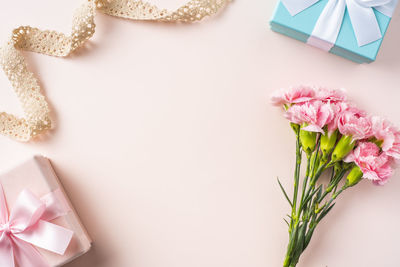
<point>35,107</point>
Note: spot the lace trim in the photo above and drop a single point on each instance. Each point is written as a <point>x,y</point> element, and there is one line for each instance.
<point>35,107</point>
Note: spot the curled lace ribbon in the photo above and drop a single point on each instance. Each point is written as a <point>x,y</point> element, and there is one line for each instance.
<point>35,107</point>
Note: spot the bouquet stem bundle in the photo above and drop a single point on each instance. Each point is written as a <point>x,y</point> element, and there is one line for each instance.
<point>310,202</point>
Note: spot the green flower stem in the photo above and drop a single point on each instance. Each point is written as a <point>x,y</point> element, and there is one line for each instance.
<point>318,173</point>
<point>335,195</point>
<point>296,180</point>
<point>333,175</point>
<point>293,226</point>
<point>335,180</point>
<point>305,182</point>
<point>298,228</point>
<point>305,197</point>
<point>318,213</point>
<point>307,208</point>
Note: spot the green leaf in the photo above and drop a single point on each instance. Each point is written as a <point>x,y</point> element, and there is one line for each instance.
<point>293,240</point>
<point>300,241</point>
<point>308,237</point>
<point>284,192</point>
<point>325,211</point>
<point>310,196</point>
<point>319,192</point>
<point>286,222</point>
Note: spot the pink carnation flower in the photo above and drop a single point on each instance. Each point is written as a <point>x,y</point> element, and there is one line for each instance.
<point>295,95</point>
<point>338,108</point>
<point>354,122</point>
<point>384,131</point>
<point>332,95</point>
<point>374,165</point>
<point>315,114</point>
<point>394,150</point>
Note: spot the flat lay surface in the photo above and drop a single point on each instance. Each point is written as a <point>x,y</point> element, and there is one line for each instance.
<point>167,146</point>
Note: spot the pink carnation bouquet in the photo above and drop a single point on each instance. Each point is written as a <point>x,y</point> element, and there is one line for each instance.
<point>338,139</point>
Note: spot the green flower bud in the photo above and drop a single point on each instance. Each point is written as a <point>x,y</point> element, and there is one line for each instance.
<point>315,159</point>
<point>312,159</point>
<point>376,141</point>
<point>354,176</point>
<point>343,147</point>
<point>338,166</point>
<point>295,127</point>
<point>308,141</point>
<point>347,165</point>
<point>328,143</point>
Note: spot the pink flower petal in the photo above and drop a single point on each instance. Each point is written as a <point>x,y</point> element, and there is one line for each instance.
<point>313,128</point>
<point>374,164</point>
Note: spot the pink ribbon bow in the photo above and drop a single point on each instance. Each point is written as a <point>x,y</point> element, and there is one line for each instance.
<point>28,226</point>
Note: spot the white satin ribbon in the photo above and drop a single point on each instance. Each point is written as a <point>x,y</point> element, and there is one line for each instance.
<point>362,16</point>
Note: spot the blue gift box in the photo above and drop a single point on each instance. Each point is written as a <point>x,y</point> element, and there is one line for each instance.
<point>301,25</point>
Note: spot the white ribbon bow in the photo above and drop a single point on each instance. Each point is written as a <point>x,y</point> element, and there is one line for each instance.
<point>362,16</point>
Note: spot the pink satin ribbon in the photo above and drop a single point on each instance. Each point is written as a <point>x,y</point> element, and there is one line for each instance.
<point>28,227</point>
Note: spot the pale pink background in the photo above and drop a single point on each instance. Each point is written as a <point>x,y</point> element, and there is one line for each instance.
<point>169,151</point>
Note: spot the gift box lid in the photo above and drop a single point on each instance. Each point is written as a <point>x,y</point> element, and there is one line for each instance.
<point>38,176</point>
<point>301,26</point>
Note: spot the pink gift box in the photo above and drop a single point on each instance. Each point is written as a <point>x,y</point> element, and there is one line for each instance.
<point>38,176</point>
